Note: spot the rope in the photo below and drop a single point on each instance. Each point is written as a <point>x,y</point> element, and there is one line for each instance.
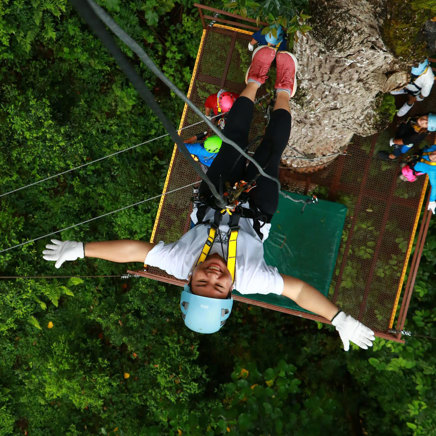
<point>96,218</point>
<point>293,199</point>
<point>132,44</point>
<point>97,160</point>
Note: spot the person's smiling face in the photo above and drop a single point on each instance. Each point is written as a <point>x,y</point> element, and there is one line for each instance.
<point>212,278</point>
<point>423,122</point>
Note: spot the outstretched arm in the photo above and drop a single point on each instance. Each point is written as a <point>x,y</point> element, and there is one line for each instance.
<point>309,298</point>
<point>114,251</point>
<point>119,251</point>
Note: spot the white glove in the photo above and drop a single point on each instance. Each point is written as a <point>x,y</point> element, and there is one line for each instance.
<point>350,329</point>
<point>208,117</point>
<point>391,142</point>
<point>250,46</point>
<point>432,206</point>
<point>419,97</point>
<point>60,251</point>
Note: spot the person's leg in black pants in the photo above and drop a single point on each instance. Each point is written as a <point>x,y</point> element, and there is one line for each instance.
<point>228,166</point>
<point>265,196</point>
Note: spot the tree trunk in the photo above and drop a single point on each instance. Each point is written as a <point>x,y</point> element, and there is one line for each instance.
<point>344,69</point>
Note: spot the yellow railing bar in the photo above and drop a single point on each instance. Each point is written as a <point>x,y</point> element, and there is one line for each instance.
<point>182,120</point>
<point>409,251</point>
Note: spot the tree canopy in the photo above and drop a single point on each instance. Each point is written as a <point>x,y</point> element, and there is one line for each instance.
<point>102,355</point>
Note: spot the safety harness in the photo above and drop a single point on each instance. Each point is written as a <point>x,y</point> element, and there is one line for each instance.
<point>275,47</point>
<point>233,238</point>
<point>235,196</point>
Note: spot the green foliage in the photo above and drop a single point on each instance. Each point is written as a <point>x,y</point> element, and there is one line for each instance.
<point>88,356</point>
<point>386,110</point>
<point>426,5</point>
<point>403,26</point>
<point>291,15</point>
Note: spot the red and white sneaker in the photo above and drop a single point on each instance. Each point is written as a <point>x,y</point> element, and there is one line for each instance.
<point>287,67</point>
<point>260,63</point>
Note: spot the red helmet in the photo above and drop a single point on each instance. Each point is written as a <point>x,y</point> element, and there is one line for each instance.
<point>225,100</point>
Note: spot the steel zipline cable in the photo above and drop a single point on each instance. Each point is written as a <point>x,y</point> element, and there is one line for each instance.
<point>97,217</point>
<point>92,17</point>
<point>97,160</point>
<point>92,14</point>
<point>132,147</point>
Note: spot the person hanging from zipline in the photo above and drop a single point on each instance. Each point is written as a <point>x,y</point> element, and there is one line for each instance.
<point>224,251</point>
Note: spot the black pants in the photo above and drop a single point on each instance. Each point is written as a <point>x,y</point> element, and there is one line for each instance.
<point>230,166</point>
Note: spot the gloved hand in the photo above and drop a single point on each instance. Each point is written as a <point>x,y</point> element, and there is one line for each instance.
<point>250,46</point>
<point>350,329</point>
<point>432,206</point>
<point>391,142</point>
<point>208,117</point>
<point>60,251</point>
<point>419,97</point>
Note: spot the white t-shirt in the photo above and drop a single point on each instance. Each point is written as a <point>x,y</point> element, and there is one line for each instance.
<point>425,82</point>
<point>252,275</point>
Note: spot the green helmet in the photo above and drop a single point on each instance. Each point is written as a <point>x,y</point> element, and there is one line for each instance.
<point>213,144</point>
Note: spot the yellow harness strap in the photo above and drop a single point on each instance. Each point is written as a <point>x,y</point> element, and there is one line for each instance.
<point>231,251</point>
<point>416,128</point>
<point>423,72</point>
<point>427,162</point>
<point>207,246</point>
<point>276,46</point>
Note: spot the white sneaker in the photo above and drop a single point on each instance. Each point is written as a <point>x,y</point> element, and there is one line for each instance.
<point>404,109</point>
<point>400,92</point>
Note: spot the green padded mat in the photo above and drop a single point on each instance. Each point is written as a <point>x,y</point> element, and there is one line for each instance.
<point>303,245</point>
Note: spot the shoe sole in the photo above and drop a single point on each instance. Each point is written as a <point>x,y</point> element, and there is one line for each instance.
<point>401,112</point>
<point>252,56</point>
<point>296,69</point>
<point>400,92</point>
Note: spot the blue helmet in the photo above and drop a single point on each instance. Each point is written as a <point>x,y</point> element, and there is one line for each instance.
<point>204,314</point>
<point>416,71</point>
<point>431,123</point>
<point>274,40</point>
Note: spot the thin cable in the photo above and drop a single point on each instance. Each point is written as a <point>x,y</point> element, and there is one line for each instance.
<point>134,46</point>
<point>62,277</point>
<point>98,160</point>
<point>136,80</point>
<point>96,218</point>
<point>410,334</point>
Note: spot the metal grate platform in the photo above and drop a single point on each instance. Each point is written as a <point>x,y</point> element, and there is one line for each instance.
<point>383,213</point>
